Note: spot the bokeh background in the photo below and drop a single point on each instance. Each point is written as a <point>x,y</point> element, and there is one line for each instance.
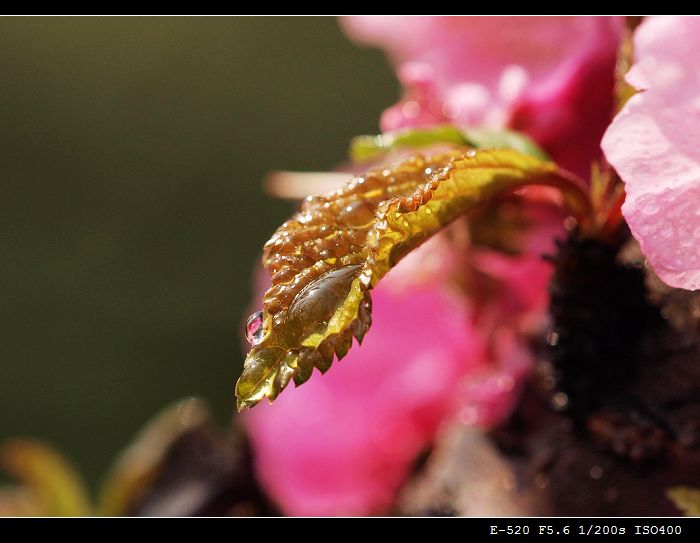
<point>131,208</point>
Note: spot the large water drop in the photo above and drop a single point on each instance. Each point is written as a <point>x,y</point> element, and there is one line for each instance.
<point>254,329</point>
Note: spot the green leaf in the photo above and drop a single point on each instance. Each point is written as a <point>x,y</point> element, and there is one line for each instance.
<point>482,138</point>
<point>365,148</point>
<point>686,499</point>
<point>326,259</point>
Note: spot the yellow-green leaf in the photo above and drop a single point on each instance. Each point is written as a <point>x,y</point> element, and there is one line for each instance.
<point>324,261</point>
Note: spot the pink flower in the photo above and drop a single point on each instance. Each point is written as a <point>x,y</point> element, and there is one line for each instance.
<point>343,443</point>
<point>550,77</point>
<point>654,144</point>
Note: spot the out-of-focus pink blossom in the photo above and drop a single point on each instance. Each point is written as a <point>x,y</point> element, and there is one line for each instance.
<point>654,144</point>
<point>550,77</point>
<point>342,444</point>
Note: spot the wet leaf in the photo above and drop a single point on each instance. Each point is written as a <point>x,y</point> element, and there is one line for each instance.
<point>324,261</point>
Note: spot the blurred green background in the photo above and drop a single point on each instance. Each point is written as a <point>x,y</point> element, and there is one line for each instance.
<point>131,209</point>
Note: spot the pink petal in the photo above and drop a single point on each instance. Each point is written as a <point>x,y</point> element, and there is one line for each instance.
<point>550,77</point>
<point>654,144</point>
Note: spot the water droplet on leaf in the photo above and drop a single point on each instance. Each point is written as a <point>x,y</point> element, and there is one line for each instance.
<point>650,207</point>
<point>254,329</point>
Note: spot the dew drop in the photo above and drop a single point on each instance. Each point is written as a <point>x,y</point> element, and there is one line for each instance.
<point>570,223</point>
<point>358,213</point>
<point>560,401</point>
<point>650,207</point>
<point>254,329</point>
<point>553,339</point>
<point>666,229</point>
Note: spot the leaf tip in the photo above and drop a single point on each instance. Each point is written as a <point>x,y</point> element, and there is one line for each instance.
<point>242,405</point>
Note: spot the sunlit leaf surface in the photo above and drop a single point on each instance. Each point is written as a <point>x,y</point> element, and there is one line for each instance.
<point>324,261</point>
